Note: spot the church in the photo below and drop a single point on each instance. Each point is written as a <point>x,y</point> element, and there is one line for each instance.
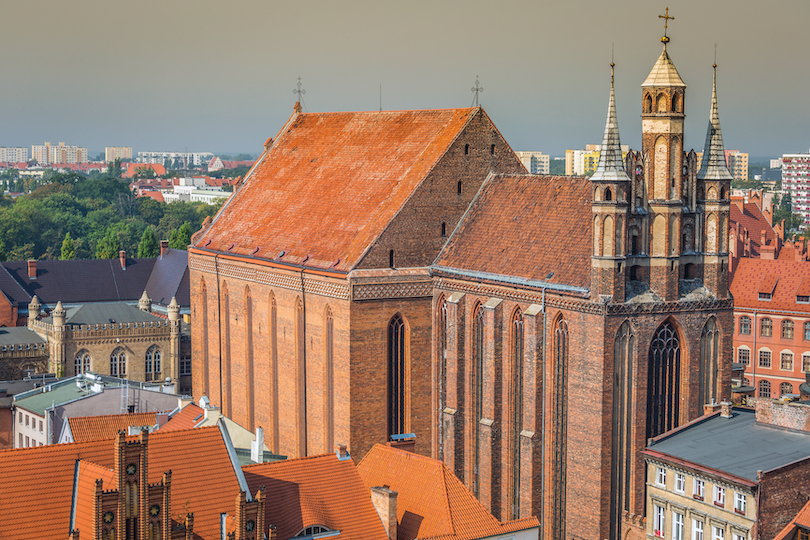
<point>380,274</point>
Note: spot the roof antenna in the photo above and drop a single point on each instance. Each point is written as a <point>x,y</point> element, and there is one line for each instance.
<point>300,92</point>
<point>715,55</point>
<point>476,90</point>
<point>381,98</point>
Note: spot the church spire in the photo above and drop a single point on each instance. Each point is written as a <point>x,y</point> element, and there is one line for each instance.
<point>611,164</point>
<point>713,166</point>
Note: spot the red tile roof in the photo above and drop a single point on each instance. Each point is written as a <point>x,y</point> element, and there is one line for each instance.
<point>317,490</point>
<point>132,169</point>
<point>331,183</point>
<point>802,520</point>
<point>753,276</point>
<point>203,481</point>
<point>86,494</point>
<point>750,217</point>
<point>431,501</point>
<point>526,226</point>
<point>94,428</point>
<point>188,417</point>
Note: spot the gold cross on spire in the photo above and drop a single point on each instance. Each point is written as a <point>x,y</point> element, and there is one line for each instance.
<point>666,18</point>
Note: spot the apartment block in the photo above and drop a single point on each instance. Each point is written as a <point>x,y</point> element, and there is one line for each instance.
<point>796,183</point>
<point>535,162</point>
<point>111,153</point>
<point>46,154</point>
<point>584,162</point>
<point>185,159</point>
<point>13,155</point>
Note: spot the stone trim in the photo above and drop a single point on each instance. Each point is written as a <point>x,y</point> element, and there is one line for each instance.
<point>376,291</point>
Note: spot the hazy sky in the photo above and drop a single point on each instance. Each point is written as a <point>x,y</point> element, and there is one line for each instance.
<point>218,76</point>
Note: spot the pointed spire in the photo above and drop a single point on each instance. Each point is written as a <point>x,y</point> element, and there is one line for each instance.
<point>713,166</point>
<point>611,164</point>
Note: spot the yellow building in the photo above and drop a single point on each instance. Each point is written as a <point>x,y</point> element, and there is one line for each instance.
<point>584,162</point>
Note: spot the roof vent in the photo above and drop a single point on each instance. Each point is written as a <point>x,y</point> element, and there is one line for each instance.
<point>255,251</point>
<point>281,254</point>
<point>337,262</point>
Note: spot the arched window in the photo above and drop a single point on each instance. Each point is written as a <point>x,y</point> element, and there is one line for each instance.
<point>442,364</point>
<point>785,388</point>
<point>153,367</point>
<point>517,410</point>
<point>274,398</point>
<point>329,376</point>
<point>675,102</point>
<point>301,376</point>
<point>787,329</point>
<point>478,388</point>
<point>764,388</point>
<point>766,327</point>
<point>745,325</point>
<point>118,363</point>
<point>82,362</point>
<point>396,375</point>
<point>648,103</point>
<point>608,194</point>
<point>663,381</point>
<point>622,455</point>
<point>709,354</point>
<point>560,426</point>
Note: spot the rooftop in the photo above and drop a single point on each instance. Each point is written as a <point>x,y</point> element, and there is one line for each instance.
<point>783,278</point>
<point>106,313</point>
<point>92,428</point>
<point>663,73</point>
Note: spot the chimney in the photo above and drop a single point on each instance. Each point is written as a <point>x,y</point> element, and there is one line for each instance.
<point>164,245</point>
<point>273,532</point>
<point>385,503</point>
<point>32,269</point>
<point>710,408</point>
<point>342,452</point>
<point>122,255</point>
<point>257,447</point>
<point>725,409</point>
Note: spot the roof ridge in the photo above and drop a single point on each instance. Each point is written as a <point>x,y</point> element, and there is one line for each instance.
<point>295,459</point>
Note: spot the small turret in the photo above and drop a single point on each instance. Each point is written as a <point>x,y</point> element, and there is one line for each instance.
<point>34,309</point>
<point>173,310</point>
<point>59,314</point>
<point>145,303</point>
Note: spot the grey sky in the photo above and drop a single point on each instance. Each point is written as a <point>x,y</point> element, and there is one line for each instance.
<point>218,76</point>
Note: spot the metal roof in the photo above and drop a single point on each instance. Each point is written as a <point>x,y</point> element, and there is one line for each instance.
<point>18,335</point>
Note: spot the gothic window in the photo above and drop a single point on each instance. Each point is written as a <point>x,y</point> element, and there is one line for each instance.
<point>608,194</point>
<point>766,327</point>
<point>635,244</point>
<point>622,455</point>
<point>785,388</point>
<point>301,376</point>
<point>204,340</point>
<point>329,384</point>
<point>764,388</point>
<point>118,363</point>
<point>661,103</point>
<point>709,354</point>
<point>478,387</point>
<point>663,381</point>
<point>82,362</point>
<point>675,103</point>
<point>153,366</point>
<point>249,381</point>
<point>442,365</point>
<point>648,103</point>
<point>787,329</point>
<point>722,193</point>
<point>396,375</point>
<point>274,398</point>
<point>517,409</point>
<point>745,325</point>
<point>560,426</point>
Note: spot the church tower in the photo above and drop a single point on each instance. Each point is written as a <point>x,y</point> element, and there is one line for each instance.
<point>610,205</point>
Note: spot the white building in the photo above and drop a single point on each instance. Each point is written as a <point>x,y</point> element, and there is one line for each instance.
<point>186,158</point>
<point>13,155</point>
<point>796,183</point>
<point>535,162</point>
<point>111,153</point>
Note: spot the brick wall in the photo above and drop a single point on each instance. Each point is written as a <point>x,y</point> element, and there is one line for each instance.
<point>787,415</point>
<point>782,493</point>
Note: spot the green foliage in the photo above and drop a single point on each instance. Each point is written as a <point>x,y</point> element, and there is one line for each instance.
<point>68,249</point>
<point>149,246</point>
<point>145,172</point>
<point>109,246</point>
<point>783,210</point>
<point>3,256</point>
<point>150,210</point>
<point>241,170</point>
<point>556,167</point>
<point>180,238</point>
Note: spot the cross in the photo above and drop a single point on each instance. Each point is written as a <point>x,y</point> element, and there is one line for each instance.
<point>299,91</point>
<point>666,18</point>
<point>476,90</point>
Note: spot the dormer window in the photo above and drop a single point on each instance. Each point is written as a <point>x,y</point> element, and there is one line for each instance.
<point>313,529</point>
<point>765,296</point>
<point>802,299</point>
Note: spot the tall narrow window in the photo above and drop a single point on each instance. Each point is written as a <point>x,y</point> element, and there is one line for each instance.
<point>204,345</point>
<point>517,410</point>
<point>391,258</point>
<point>745,325</point>
<point>787,329</point>
<point>766,327</point>
<point>301,376</point>
<point>396,375</point>
<point>764,388</point>
<point>273,337</point>
<point>118,363</point>
<point>560,427</point>
<point>477,390</point>
<point>250,385</point>
<point>622,453</point>
<point>709,353</point>
<point>153,367</point>
<point>328,383</point>
<point>442,365</point>
<point>82,362</point>
<point>663,381</point>
<point>458,187</point>
<point>226,385</point>
<point>444,229</point>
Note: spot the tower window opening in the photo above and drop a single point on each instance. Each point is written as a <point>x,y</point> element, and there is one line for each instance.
<point>444,229</point>
<point>466,149</point>
<point>634,273</point>
<point>458,187</point>
<point>492,150</point>
<point>675,103</point>
<point>391,259</point>
<point>608,195</point>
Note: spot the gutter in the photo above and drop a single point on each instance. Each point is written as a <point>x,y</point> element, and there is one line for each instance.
<point>502,278</point>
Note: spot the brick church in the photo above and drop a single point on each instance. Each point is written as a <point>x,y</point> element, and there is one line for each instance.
<point>384,273</point>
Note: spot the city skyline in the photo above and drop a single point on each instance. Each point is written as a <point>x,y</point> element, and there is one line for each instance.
<point>198,76</point>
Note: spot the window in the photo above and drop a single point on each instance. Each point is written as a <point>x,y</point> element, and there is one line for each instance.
<point>804,534</point>
<point>185,366</point>
<point>718,533</point>
<point>680,483</point>
<point>806,363</point>
<point>27,418</point>
<point>697,489</point>
<point>744,356</point>
<point>21,440</point>
<point>786,361</point>
<point>661,476</point>
<point>314,529</point>
<point>764,358</point>
<point>391,259</point>
<point>677,526</point>
<point>82,362</point>
<point>764,389</point>
<point>739,503</point>
<point>27,442</point>
<point>40,426</point>
<point>118,363</point>
<point>802,299</point>
<point>719,496</point>
<point>765,296</point>
<point>659,521</point>
<point>396,375</point>
<point>153,363</point>
<point>745,325</point>
<point>444,229</point>
<point>766,327</point>
<point>697,530</point>
<point>787,329</point>
<point>785,388</point>
<point>21,418</point>
<point>807,330</point>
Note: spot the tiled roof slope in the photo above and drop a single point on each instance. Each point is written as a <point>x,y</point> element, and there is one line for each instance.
<point>93,428</point>
<point>526,226</point>
<point>317,490</point>
<point>188,417</point>
<point>105,313</point>
<point>752,273</point>
<point>86,494</point>
<point>331,183</point>
<point>431,501</point>
<point>167,276</point>
<point>203,481</point>
<point>663,72</point>
<point>802,520</point>
<point>750,217</point>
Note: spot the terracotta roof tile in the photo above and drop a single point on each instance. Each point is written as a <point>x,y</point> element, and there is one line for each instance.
<point>750,217</point>
<point>331,183</point>
<point>86,493</point>
<point>431,501</point>
<point>802,520</point>
<point>93,428</point>
<point>526,226</point>
<point>317,490</point>
<point>188,417</point>
<point>748,282</point>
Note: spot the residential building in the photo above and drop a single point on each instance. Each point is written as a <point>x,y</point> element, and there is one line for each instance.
<point>107,426</point>
<point>776,163</point>
<point>796,183</point>
<point>737,164</point>
<point>8,389</point>
<point>47,154</point>
<point>132,169</point>
<point>535,162</point>
<point>23,353</point>
<point>699,486</point>
<point>175,160</point>
<point>772,330</point>
<point>13,155</point>
<point>584,162</point>
<point>111,153</point>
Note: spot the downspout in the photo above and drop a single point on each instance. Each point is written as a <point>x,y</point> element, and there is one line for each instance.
<point>755,359</point>
<point>543,427</point>
<point>219,333</point>
<point>304,361</point>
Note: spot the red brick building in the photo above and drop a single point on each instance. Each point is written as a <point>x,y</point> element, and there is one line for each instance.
<point>576,318</point>
<point>315,274</point>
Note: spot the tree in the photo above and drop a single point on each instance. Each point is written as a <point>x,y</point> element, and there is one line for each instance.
<point>3,255</point>
<point>181,238</point>
<point>150,210</point>
<point>149,244</point>
<point>68,249</point>
<point>109,246</point>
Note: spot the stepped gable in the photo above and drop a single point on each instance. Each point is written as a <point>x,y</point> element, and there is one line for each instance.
<point>317,490</point>
<point>331,183</point>
<point>518,225</point>
<point>431,501</point>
